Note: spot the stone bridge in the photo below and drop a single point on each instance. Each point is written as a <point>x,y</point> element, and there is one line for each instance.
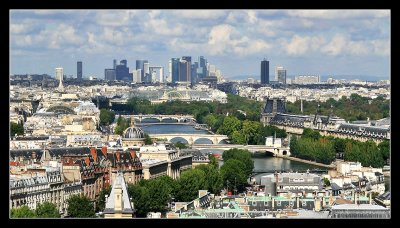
<point>191,138</point>
<point>178,118</point>
<point>252,148</point>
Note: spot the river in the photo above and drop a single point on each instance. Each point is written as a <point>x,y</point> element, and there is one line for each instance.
<point>263,162</point>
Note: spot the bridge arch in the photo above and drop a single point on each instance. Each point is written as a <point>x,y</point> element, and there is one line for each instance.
<point>223,141</point>
<point>203,141</point>
<point>179,139</point>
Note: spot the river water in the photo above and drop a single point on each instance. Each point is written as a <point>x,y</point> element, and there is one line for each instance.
<point>260,162</point>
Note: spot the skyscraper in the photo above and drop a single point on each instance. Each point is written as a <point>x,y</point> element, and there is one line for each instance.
<point>202,69</point>
<point>109,74</point>
<point>140,65</point>
<point>264,72</point>
<point>174,70</point>
<point>188,77</point>
<point>122,71</point>
<point>184,71</point>
<point>79,70</point>
<point>59,76</point>
<point>115,64</point>
<point>280,74</point>
<point>146,74</point>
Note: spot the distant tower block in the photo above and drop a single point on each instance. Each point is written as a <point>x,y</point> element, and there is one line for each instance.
<point>59,76</point>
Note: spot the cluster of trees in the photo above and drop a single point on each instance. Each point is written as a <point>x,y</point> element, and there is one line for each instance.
<point>44,210</point>
<point>106,116</point>
<point>238,118</point>
<point>313,146</point>
<point>199,109</point>
<point>236,169</point>
<point>156,194</point>
<point>350,108</point>
<point>80,206</point>
<point>242,131</point>
<point>16,129</point>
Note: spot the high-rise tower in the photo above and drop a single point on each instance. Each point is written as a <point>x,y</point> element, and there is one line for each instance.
<point>264,72</point>
<point>79,70</point>
<point>60,75</point>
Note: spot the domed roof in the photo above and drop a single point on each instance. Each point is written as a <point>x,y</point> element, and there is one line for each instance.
<point>133,132</point>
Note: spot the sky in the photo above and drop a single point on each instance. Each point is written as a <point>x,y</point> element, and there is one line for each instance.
<point>304,42</point>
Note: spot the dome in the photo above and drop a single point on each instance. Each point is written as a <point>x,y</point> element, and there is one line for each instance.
<point>133,133</point>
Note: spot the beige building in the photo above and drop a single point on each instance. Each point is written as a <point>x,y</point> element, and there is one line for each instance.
<point>177,162</point>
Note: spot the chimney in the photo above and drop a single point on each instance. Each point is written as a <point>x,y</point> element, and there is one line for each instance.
<point>133,154</point>
<point>93,153</point>
<point>118,155</point>
<point>104,151</point>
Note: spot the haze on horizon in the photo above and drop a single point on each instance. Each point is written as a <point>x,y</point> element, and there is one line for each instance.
<point>312,42</point>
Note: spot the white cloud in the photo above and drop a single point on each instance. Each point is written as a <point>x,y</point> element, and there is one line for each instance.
<point>381,47</point>
<point>161,27</point>
<point>18,28</point>
<point>114,36</point>
<point>337,14</point>
<point>224,39</point>
<point>200,14</point>
<point>113,18</point>
<point>62,35</point>
<point>302,45</point>
<point>22,40</point>
<point>336,46</point>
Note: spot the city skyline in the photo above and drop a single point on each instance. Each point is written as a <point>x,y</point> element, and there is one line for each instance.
<point>304,42</point>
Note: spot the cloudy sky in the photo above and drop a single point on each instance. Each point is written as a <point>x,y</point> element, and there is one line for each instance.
<point>324,42</point>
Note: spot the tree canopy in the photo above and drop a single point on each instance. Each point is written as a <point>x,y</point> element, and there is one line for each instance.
<point>242,155</point>
<point>47,210</point>
<point>22,212</point>
<point>106,116</point>
<point>80,207</point>
<point>234,175</point>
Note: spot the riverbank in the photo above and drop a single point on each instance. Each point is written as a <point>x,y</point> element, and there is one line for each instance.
<point>306,161</point>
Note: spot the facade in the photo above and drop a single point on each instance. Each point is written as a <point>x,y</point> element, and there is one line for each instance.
<point>126,163</point>
<point>307,79</point>
<point>202,69</point>
<point>109,74</point>
<point>122,71</point>
<point>39,185</point>
<point>174,70</point>
<point>295,183</point>
<point>177,162</point>
<point>59,73</point>
<point>60,77</point>
<point>272,107</point>
<point>264,72</point>
<point>280,75</point>
<point>184,71</point>
<point>360,211</point>
<point>79,70</point>
<point>140,66</point>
